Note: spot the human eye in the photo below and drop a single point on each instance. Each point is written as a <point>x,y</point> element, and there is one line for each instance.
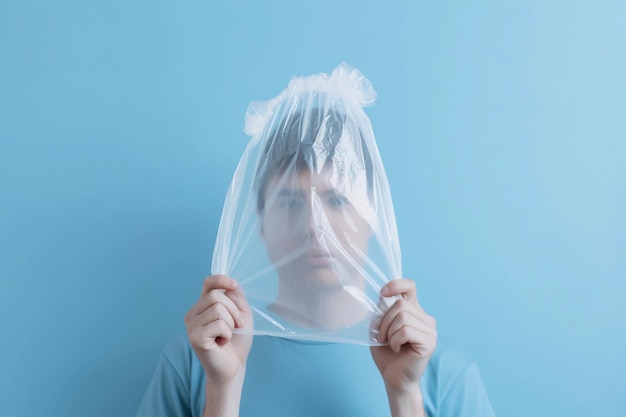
<point>336,201</point>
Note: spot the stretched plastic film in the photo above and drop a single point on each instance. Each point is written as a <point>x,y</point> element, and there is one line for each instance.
<point>308,227</point>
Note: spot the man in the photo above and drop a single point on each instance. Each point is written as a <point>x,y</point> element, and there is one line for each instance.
<point>317,188</point>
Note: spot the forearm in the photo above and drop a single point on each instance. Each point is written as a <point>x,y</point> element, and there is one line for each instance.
<point>407,403</point>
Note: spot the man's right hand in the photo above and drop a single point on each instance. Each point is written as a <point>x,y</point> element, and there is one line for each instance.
<point>222,307</point>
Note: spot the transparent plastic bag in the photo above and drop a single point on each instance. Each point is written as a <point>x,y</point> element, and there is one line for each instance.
<point>308,227</point>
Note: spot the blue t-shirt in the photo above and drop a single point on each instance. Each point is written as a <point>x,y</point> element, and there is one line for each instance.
<point>294,378</point>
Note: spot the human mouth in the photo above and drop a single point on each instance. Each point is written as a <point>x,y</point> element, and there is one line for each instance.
<point>319,260</point>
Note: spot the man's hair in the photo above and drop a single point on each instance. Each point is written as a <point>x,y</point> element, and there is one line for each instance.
<point>307,139</point>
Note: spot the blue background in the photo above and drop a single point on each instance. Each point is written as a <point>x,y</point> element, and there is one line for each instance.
<point>501,125</point>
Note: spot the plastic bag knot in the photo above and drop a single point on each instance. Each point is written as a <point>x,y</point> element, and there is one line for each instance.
<point>345,83</point>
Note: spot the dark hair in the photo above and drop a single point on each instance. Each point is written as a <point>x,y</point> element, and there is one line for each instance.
<point>298,138</point>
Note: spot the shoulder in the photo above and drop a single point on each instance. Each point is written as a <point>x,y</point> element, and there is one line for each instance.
<point>170,390</point>
<point>447,365</point>
<point>178,355</point>
<point>452,383</point>
<point>178,347</point>
<point>449,357</point>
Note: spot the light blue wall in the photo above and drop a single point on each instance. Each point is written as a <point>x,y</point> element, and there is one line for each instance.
<point>501,124</point>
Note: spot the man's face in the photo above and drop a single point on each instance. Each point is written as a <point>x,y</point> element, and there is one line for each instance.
<point>315,227</point>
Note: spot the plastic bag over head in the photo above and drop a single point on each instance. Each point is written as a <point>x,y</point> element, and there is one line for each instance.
<point>308,227</point>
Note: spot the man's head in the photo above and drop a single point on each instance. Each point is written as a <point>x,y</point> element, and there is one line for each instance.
<point>313,186</point>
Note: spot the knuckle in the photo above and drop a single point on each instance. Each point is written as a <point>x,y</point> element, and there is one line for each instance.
<point>211,296</point>
<point>194,338</point>
<point>223,328</point>
<point>220,311</point>
<point>404,332</point>
<point>403,317</point>
<point>403,304</point>
<point>215,296</point>
<point>431,347</point>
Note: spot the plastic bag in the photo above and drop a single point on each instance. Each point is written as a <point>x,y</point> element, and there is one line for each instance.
<point>308,227</point>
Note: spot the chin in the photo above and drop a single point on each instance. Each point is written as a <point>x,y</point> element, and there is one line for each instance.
<point>320,276</point>
<point>325,278</point>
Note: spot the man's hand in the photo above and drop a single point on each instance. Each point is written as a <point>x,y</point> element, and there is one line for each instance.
<point>222,307</point>
<point>411,335</point>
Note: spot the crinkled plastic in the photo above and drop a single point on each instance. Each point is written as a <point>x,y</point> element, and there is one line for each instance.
<point>308,227</point>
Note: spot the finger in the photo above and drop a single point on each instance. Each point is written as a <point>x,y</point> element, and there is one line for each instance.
<point>404,313</point>
<point>422,340</point>
<point>411,326</point>
<point>218,282</point>
<point>412,315</point>
<point>204,337</point>
<point>425,330</point>
<point>419,341</point>
<point>402,319</point>
<point>214,297</point>
<point>214,313</point>
<point>239,299</point>
<point>211,299</point>
<point>398,307</point>
<point>400,287</point>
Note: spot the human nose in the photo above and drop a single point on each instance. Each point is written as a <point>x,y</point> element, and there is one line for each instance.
<point>314,222</point>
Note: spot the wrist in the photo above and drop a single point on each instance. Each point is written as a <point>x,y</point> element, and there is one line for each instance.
<point>222,400</point>
<point>406,403</point>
